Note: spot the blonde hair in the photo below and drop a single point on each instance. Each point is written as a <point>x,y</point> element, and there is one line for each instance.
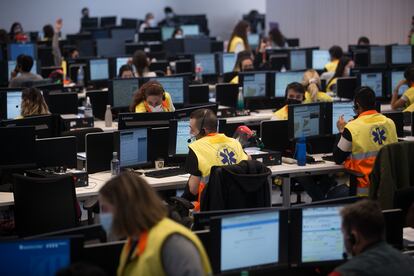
<point>33,103</point>
<point>312,82</point>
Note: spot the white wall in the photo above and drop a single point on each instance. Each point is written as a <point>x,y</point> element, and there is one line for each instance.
<point>328,22</point>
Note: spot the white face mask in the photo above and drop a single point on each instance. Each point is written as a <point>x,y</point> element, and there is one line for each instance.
<point>178,36</point>
<point>157,108</point>
<point>151,22</point>
<point>106,221</point>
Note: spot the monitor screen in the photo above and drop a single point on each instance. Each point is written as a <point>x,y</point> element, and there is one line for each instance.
<point>189,30</point>
<point>183,133</point>
<point>133,147</point>
<point>123,91</point>
<point>396,76</point>
<point>254,85</point>
<point>306,120</point>
<point>11,65</point>
<point>249,240</point>
<point>320,58</point>
<point>321,234</point>
<point>167,32</point>
<point>253,40</point>
<point>39,257</point>
<point>377,55</point>
<point>282,79</point>
<point>229,60</point>
<point>56,152</point>
<point>119,62</point>
<point>13,99</point>
<point>174,86</point>
<point>16,49</point>
<point>374,81</point>
<point>298,60</point>
<point>339,109</point>
<point>207,62</point>
<point>401,54</point>
<point>99,69</point>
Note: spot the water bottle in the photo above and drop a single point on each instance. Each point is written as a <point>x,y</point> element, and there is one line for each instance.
<point>88,108</point>
<point>240,99</point>
<point>199,72</point>
<point>81,76</point>
<point>301,151</point>
<point>108,116</point>
<point>115,168</point>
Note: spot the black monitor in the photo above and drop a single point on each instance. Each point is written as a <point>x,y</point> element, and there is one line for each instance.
<point>129,23</point>
<point>148,119</point>
<point>227,62</point>
<point>207,63</point>
<point>99,101</point>
<point>104,255</point>
<point>198,93</point>
<point>93,233</point>
<point>377,55</point>
<point>108,21</point>
<point>345,109</point>
<point>16,49</point>
<point>133,147</point>
<point>176,86</point>
<point>180,137</point>
<point>345,87</point>
<point>157,147</point>
<point>254,84</point>
<point>10,100</point>
<point>184,66</point>
<point>56,152</point>
<point>39,257</point>
<point>297,60</point>
<point>160,66</point>
<point>274,135</point>
<point>106,47</point>
<point>372,78</point>
<point>396,75</point>
<point>17,147</point>
<point>46,126</point>
<point>320,58</point>
<point>278,59</point>
<point>401,54</point>
<point>123,34</point>
<point>186,112</point>
<point>394,223</point>
<point>150,36</point>
<point>306,120</point>
<point>63,102</point>
<point>89,23</point>
<point>361,55</point>
<point>121,92</point>
<point>282,79</point>
<point>197,45</point>
<point>98,69</point>
<point>259,233</point>
<point>226,94</point>
<point>99,148</point>
<point>398,118</point>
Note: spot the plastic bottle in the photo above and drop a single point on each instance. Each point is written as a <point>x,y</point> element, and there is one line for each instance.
<point>240,99</point>
<point>115,168</point>
<point>81,76</point>
<point>168,71</point>
<point>88,108</point>
<point>108,116</point>
<point>199,72</point>
<point>301,151</point>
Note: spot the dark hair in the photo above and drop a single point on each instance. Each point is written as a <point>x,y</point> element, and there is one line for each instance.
<point>168,9</point>
<point>148,15</point>
<point>364,216</point>
<point>363,40</point>
<point>140,62</point>
<point>206,119</point>
<point>4,37</point>
<point>339,72</point>
<point>48,31</point>
<point>150,88</point>
<point>25,62</point>
<point>298,87</point>
<point>176,30</point>
<point>277,37</point>
<point>242,56</point>
<point>336,52</point>
<point>409,73</point>
<point>84,9</point>
<point>365,98</point>
<point>125,67</point>
<point>15,24</point>
<point>240,30</point>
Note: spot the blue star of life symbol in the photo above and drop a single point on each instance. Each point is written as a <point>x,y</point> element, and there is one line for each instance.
<point>379,135</point>
<point>227,157</point>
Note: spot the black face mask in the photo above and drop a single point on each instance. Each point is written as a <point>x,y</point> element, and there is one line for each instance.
<point>292,101</point>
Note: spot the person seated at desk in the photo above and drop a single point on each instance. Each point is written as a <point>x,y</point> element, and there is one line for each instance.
<point>238,41</point>
<point>244,63</point>
<point>362,138</point>
<point>312,83</point>
<point>33,103</point>
<point>210,149</point>
<point>21,73</point>
<point>343,69</point>
<point>152,97</point>
<point>363,230</point>
<point>336,53</point>
<point>407,99</point>
<point>169,19</point>
<point>294,94</point>
<point>178,33</point>
<point>126,71</point>
<point>363,41</point>
<point>148,23</point>
<point>141,63</point>
<point>156,245</point>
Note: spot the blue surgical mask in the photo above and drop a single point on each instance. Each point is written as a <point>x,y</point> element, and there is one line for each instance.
<point>106,221</point>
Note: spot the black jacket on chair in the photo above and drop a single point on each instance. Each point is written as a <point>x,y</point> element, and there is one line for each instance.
<point>245,185</point>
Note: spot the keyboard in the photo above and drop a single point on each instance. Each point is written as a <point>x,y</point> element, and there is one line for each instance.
<point>328,158</point>
<point>165,172</point>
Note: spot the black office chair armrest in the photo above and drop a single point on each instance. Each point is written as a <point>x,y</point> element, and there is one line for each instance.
<point>353,182</point>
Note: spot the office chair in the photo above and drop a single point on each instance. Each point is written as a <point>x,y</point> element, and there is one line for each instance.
<point>80,136</point>
<point>44,204</point>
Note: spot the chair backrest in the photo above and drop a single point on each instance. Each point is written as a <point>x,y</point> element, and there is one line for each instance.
<point>44,204</point>
<point>80,135</point>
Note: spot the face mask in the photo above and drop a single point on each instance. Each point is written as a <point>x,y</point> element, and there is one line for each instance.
<point>292,101</point>
<point>106,221</point>
<point>151,23</point>
<point>170,15</point>
<point>178,36</point>
<point>157,108</point>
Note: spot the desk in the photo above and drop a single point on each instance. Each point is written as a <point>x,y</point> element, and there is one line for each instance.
<point>253,117</point>
<point>101,124</point>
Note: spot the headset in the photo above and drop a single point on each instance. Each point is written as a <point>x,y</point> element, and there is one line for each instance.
<point>201,127</point>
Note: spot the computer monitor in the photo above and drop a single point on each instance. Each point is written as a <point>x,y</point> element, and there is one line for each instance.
<point>306,120</point>
<point>254,40</point>
<point>321,239</point>
<point>46,126</point>
<point>228,61</point>
<point>226,94</point>
<point>179,137</point>
<point>98,69</point>
<point>207,63</point>
<point>133,145</point>
<point>190,30</point>
<point>341,108</point>
<point>377,55</point>
<point>320,58</point>
<point>198,93</point>
<point>108,21</point>
<point>148,119</point>
<point>17,147</point>
<point>167,32</point>
<point>11,65</point>
<point>177,87</point>
<point>297,60</point>
<point>56,152</point>
<point>40,256</point>
<point>120,61</point>
<point>398,118</point>
<point>10,100</point>
<point>345,87</point>
<point>63,102</point>
<point>254,84</point>
<point>99,148</point>
<point>186,112</point>
<point>374,80</point>
<point>282,79</point>
<point>248,240</point>
<point>401,54</point>
<point>395,77</point>
<point>89,23</point>
<point>16,49</point>
<point>107,47</point>
<point>121,92</point>
<point>274,135</point>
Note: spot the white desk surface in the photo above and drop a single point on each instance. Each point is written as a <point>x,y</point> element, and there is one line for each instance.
<point>101,124</point>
